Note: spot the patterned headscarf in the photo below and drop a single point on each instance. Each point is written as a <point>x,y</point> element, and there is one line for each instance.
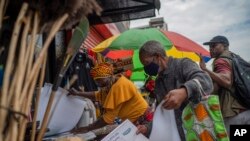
<point>102,70</point>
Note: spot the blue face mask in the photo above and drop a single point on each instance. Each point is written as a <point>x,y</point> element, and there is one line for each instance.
<point>152,69</point>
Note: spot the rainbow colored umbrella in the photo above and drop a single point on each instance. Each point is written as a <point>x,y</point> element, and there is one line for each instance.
<point>128,44</point>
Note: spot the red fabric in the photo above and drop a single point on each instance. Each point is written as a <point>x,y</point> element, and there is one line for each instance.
<point>116,54</point>
<point>93,39</point>
<point>91,53</point>
<point>113,28</point>
<point>149,117</point>
<point>128,73</point>
<point>150,86</point>
<point>184,44</point>
<point>68,36</point>
<point>222,66</point>
<point>97,34</point>
<point>103,30</point>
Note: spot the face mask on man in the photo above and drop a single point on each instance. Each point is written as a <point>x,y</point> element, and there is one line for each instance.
<point>151,69</point>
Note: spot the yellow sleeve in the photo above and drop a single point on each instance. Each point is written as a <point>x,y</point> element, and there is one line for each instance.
<point>109,115</point>
<point>120,92</point>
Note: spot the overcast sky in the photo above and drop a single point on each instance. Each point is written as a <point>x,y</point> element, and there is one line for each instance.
<point>200,20</point>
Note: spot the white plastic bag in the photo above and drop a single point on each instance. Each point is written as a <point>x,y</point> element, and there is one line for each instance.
<point>164,125</point>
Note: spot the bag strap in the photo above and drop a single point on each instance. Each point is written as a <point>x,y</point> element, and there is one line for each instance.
<point>200,88</point>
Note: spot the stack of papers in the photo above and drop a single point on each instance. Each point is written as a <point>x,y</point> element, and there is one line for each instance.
<point>125,132</point>
<point>66,110</point>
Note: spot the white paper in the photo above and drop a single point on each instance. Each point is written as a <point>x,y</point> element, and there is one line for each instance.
<point>164,125</point>
<point>89,113</point>
<point>66,110</point>
<point>125,132</point>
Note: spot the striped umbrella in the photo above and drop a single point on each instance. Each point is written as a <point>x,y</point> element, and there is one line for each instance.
<point>128,43</point>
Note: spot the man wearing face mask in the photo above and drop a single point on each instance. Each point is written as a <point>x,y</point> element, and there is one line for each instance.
<point>118,96</point>
<point>175,83</point>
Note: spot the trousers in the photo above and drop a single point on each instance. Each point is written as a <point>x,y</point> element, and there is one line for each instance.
<point>240,119</point>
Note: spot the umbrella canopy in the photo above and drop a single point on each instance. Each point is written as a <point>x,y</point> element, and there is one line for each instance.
<point>133,39</point>
<point>175,44</point>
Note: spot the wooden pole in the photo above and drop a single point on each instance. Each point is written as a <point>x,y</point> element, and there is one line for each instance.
<point>2,3</point>
<point>19,74</point>
<point>71,81</point>
<point>29,99</point>
<point>9,66</point>
<point>79,35</point>
<point>36,21</point>
<point>32,45</point>
<point>28,58</point>
<point>37,101</point>
<point>39,59</point>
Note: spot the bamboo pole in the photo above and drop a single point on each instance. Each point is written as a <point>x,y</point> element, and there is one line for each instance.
<point>79,35</point>
<point>29,99</point>
<point>26,107</point>
<point>46,117</point>
<point>21,80</point>
<point>37,101</point>
<point>71,81</point>
<point>21,71</point>
<point>2,3</point>
<point>42,55</point>
<point>36,21</point>
<point>9,66</point>
<point>28,89</point>
<point>12,88</point>
<point>19,74</point>
<point>33,43</point>
<point>38,61</point>
<point>3,7</point>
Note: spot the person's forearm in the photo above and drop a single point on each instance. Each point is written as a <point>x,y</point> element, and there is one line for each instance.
<point>98,124</point>
<point>219,79</point>
<point>90,95</point>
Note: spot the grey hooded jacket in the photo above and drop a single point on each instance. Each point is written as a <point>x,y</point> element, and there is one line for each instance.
<point>180,73</point>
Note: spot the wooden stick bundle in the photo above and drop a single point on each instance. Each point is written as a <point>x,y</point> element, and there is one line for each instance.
<point>79,36</point>
<point>17,95</point>
<point>9,65</point>
<point>20,72</point>
<point>42,54</point>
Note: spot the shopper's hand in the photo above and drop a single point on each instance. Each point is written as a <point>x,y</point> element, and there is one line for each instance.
<point>141,129</point>
<point>174,98</point>
<point>74,92</point>
<point>202,62</point>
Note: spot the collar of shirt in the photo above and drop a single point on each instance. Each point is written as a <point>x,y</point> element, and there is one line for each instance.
<point>169,66</point>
